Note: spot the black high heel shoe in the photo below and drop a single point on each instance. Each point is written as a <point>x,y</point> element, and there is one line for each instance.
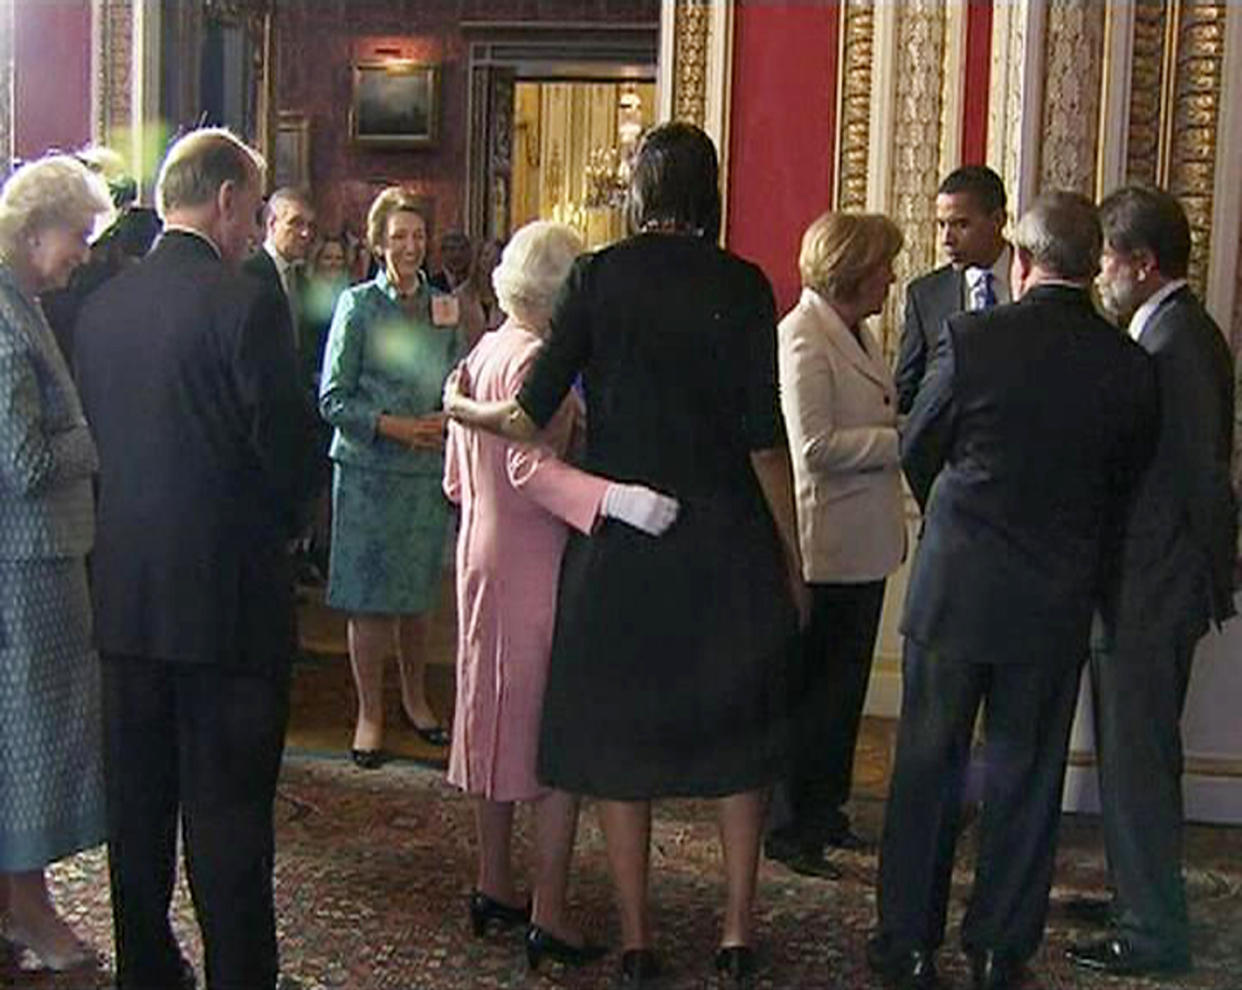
<point>436,735</point>
<point>639,967</point>
<point>368,759</point>
<point>484,909</point>
<point>540,943</point>
<point>736,965</point>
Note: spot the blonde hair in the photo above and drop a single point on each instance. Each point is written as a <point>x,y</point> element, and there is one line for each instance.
<point>394,199</point>
<point>839,250</point>
<point>199,163</point>
<point>533,268</point>
<point>51,191</point>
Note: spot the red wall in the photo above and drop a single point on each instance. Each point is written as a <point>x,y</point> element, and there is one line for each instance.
<point>978,70</point>
<point>782,132</point>
<point>51,76</point>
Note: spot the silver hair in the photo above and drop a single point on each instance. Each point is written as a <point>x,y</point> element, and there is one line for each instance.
<point>50,191</point>
<point>533,269</point>
<point>199,163</point>
<point>1061,234</point>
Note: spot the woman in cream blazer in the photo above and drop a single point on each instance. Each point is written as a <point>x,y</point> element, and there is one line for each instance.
<point>840,409</point>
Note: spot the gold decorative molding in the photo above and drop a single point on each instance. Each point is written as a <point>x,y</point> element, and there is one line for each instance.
<point>1195,766</point>
<point>854,117</point>
<point>114,113</point>
<point>915,142</point>
<point>692,22</point>
<point>1146,85</point>
<point>1193,122</point>
<point>1073,67</point>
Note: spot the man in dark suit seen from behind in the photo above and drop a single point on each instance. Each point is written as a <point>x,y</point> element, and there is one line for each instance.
<point>970,218</point>
<point>1025,442</point>
<point>1176,577</point>
<point>187,374</point>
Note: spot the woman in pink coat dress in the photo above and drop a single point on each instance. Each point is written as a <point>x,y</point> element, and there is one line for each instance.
<point>516,503</point>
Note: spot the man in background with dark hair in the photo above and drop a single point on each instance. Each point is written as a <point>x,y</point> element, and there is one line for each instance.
<point>970,215</point>
<point>289,230</point>
<point>1176,576</point>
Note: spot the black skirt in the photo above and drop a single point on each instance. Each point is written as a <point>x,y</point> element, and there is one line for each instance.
<point>670,658</point>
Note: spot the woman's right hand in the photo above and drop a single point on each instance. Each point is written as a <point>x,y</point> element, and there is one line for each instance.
<point>456,388</point>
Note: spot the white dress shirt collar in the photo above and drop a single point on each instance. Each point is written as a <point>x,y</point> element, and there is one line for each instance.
<point>1000,280</point>
<point>1142,316</point>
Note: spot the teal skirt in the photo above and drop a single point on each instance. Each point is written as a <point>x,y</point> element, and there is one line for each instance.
<point>388,533</point>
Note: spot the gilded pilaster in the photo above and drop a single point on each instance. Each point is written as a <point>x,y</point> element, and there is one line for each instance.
<point>115,84</point>
<point>1195,114</point>
<point>916,132</point>
<point>854,85</point>
<point>1074,59</point>
<point>692,22</point>
<point>1146,83</point>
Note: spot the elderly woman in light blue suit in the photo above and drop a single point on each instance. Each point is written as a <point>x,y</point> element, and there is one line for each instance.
<point>51,788</point>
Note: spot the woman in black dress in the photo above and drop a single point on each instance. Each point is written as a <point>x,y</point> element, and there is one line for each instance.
<point>667,670</point>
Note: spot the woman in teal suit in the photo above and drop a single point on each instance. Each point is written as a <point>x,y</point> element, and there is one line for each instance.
<point>51,767</point>
<point>392,343</point>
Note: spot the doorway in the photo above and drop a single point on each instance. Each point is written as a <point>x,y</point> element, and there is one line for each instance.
<point>554,112</point>
<point>573,146</point>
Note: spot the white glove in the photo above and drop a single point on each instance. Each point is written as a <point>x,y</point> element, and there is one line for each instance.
<point>640,507</point>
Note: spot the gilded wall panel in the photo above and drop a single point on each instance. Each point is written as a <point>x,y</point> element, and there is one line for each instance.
<point>854,120</point>
<point>115,110</point>
<point>1146,83</point>
<point>1195,115</point>
<point>916,128</point>
<point>692,30</point>
<point>1073,67</point>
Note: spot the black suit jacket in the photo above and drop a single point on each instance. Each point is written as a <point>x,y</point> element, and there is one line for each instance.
<point>262,267</point>
<point>1182,531</point>
<point>187,375</point>
<point>308,340</point>
<point>1024,444</point>
<point>930,300</point>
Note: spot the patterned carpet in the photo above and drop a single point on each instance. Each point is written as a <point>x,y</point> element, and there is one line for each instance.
<point>373,869</point>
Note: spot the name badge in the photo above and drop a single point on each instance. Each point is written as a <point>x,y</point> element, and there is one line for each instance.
<point>445,311</point>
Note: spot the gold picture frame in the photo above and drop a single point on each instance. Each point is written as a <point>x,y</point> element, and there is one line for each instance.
<point>396,104</point>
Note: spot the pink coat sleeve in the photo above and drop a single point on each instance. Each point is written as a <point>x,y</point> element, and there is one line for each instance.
<point>537,471</point>
<point>452,463</point>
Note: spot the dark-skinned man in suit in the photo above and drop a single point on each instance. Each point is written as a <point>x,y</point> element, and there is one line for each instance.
<point>1027,436</point>
<point>1176,577</point>
<point>187,374</point>
<point>970,218</point>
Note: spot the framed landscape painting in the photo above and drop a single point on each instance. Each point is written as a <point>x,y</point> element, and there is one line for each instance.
<point>395,105</point>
